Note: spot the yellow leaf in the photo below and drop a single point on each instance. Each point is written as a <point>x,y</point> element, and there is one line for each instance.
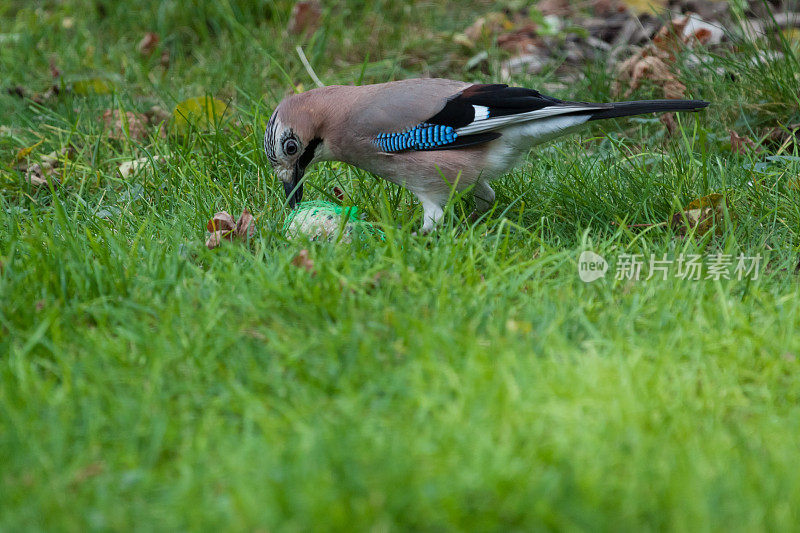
<point>792,36</point>
<point>93,86</point>
<point>701,215</point>
<point>645,6</point>
<point>203,112</point>
<point>25,152</point>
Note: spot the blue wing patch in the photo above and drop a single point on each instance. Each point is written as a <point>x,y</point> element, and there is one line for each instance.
<point>421,137</point>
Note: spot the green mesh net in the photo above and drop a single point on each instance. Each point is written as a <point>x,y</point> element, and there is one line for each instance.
<point>343,214</point>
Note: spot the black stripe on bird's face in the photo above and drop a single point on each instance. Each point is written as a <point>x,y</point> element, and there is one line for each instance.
<point>294,189</point>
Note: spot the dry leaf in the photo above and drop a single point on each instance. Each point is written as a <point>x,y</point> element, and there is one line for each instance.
<point>696,30</point>
<point>123,125</point>
<point>46,170</point>
<point>559,8</point>
<point>701,215</point>
<point>148,43</point>
<point>222,227</point>
<point>520,41</point>
<point>25,152</point>
<point>653,68</point>
<point>245,226</point>
<point>38,175</point>
<point>654,61</point>
<point>216,237</point>
<point>159,117</point>
<point>669,38</point>
<point>783,135</point>
<point>488,25</point>
<point>157,114</point>
<point>742,144</point>
<point>668,120</point>
<point>305,17</point>
<point>606,8</point>
<point>97,85</point>
<point>302,260</point>
<point>129,168</point>
<point>40,98</point>
<point>222,220</point>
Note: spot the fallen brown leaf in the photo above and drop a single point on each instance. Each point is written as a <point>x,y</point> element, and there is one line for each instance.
<point>121,125</point>
<point>783,135</point>
<point>698,31</point>
<point>668,120</point>
<point>606,8</point>
<point>654,62</point>
<point>49,94</point>
<point>520,41</point>
<point>305,17</point>
<point>559,8</point>
<point>148,43</point>
<point>642,67</point>
<point>40,98</point>
<point>742,144</point>
<point>302,260</point>
<point>129,168</point>
<point>488,25</point>
<point>159,117</point>
<point>669,38</point>
<point>39,176</point>
<point>216,237</point>
<point>46,169</point>
<point>157,114</point>
<point>338,193</point>
<point>245,226</point>
<point>222,220</point>
<point>701,215</point>
<point>223,227</point>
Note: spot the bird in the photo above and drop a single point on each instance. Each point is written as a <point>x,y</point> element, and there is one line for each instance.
<point>429,135</point>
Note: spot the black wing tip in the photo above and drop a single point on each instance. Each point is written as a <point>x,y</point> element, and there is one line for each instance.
<point>643,107</point>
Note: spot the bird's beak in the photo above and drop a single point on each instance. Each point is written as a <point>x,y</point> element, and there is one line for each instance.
<point>294,188</point>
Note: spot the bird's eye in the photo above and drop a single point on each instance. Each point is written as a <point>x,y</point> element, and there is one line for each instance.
<point>290,146</point>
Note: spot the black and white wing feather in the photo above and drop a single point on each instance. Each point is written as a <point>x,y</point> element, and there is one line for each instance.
<point>481,112</point>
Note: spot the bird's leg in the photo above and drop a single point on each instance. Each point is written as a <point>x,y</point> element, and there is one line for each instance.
<point>432,212</point>
<point>484,199</point>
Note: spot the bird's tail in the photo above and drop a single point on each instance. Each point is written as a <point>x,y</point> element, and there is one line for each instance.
<point>641,107</point>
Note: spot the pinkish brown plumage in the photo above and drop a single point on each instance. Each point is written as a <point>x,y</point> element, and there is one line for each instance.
<point>443,134</point>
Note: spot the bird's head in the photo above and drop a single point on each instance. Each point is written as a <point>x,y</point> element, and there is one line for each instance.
<point>292,142</point>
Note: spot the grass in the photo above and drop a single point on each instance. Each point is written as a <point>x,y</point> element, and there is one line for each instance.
<point>467,380</point>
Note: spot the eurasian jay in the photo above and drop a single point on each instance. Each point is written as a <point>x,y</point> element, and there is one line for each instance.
<point>428,135</point>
